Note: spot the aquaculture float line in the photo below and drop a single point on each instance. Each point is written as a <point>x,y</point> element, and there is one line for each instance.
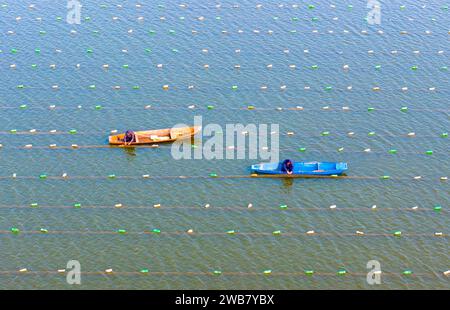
<point>153,146</point>
<point>232,88</point>
<point>191,232</point>
<point>391,151</point>
<point>146,271</point>
<point>256,7</point>
<point>250,207</point>
<point>323,133</point>
<point>111,177</point>
<point>326,108</point>
<point>237,51</point>
<point>240,67</point>
<point>256,32</point>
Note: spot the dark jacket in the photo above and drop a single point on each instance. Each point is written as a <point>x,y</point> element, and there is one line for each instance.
<point>288,166</point>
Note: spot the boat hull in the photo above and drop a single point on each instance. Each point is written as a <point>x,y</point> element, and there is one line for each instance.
<point>157,136</point>
<point>302,168</point>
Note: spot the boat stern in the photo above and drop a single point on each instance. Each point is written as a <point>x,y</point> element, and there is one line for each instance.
<point>115,139</point>
<point>341,167</point>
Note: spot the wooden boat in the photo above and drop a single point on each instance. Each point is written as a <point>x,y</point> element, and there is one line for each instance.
<point>157,136</point>
<point>302,168</point>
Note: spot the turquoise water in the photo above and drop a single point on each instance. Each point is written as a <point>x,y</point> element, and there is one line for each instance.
<point>175,259</point>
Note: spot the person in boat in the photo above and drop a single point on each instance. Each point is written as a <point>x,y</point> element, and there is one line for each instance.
<point>288,166</point>
<point>130,137</point>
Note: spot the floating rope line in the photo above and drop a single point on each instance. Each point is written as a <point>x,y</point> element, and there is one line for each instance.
<point>206,50</point>
<point>327,108</point>
<point>257,7</point>
<point>291,66</point>
<point>323,133</point>
<point>256,32</point>
<point>250,207</point>
<point>239,67</point>
<point>280,88</point>
<point>266,273</point>
<point>191,232</point>
<point>389,152</point>
<point>215,176</point>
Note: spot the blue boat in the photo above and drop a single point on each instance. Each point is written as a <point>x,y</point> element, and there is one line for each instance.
<point>311,168</point>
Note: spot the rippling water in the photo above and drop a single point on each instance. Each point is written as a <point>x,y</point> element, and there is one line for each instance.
<point>133,44</point>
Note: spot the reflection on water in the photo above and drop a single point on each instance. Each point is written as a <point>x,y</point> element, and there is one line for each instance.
<point>130,152</point>
<point>287,184</point>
